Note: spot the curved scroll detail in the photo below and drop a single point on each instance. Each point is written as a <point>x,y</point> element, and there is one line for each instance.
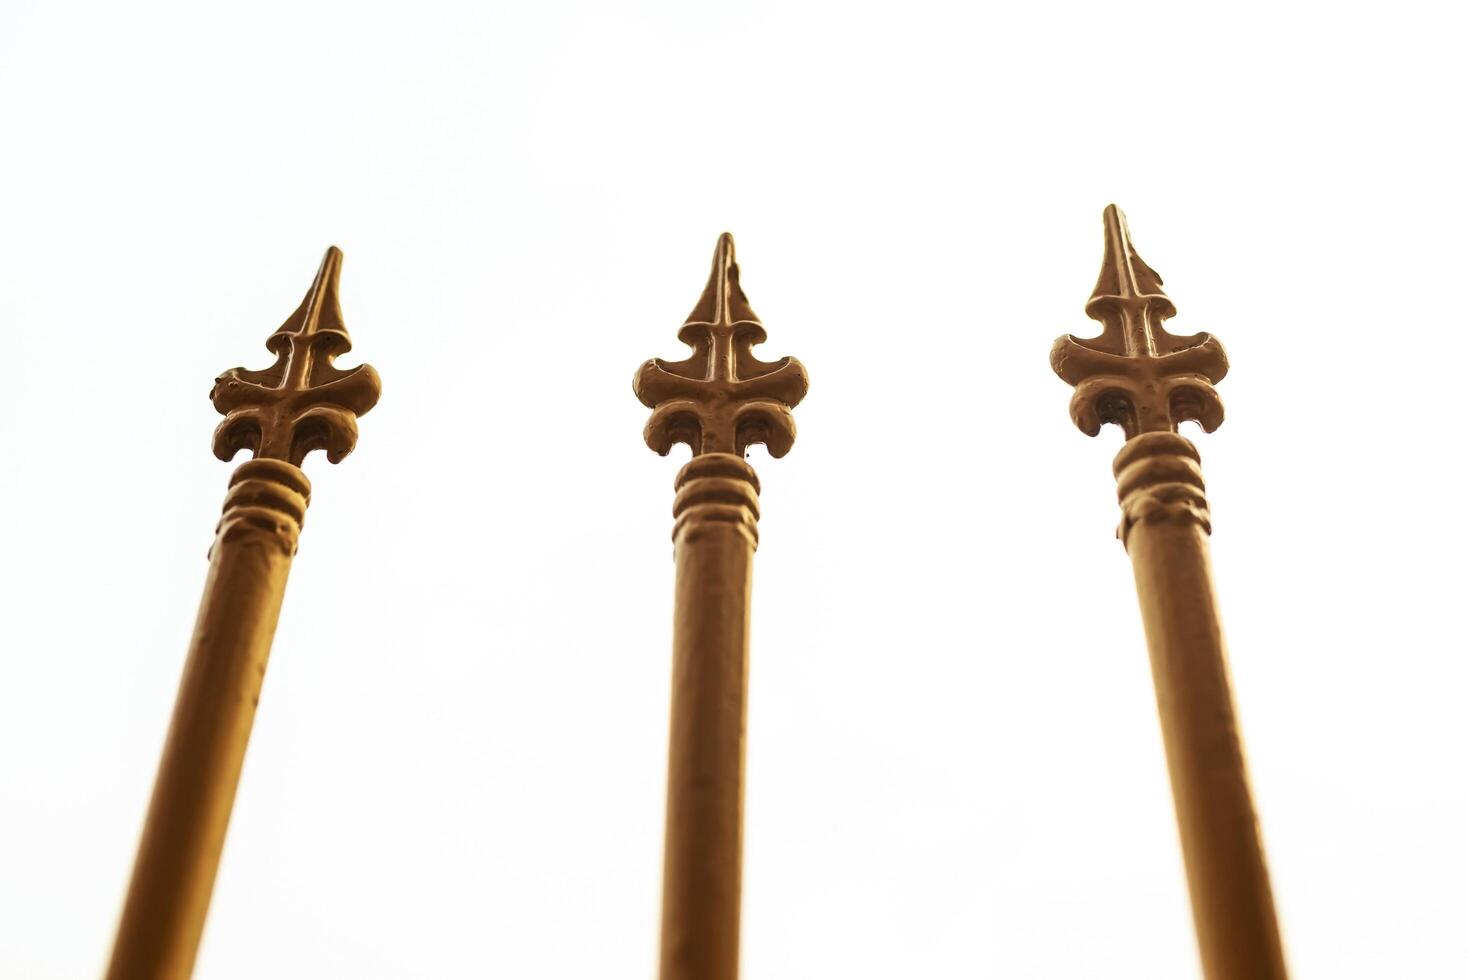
<point>303,401</point>
<point>1136,374</point>
<point>721,399</point>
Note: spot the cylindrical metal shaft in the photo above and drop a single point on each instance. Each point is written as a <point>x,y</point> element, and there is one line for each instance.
<point>183,836</point>
<point>1165,529</point>
<point>715,533</point>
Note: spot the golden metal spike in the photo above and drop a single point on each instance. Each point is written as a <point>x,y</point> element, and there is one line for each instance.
<point>721,399</point>
<point>723,302</point>
<point>301,403</point>
<point>1136,374</point>
<point>1147,381</point>
<point>718,401</point>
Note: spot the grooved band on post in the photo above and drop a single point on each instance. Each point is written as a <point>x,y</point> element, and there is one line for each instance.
<point>718,488</point>
<point>266,496</point>
<point>1158,479</point>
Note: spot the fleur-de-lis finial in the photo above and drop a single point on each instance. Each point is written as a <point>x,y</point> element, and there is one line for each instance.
<point>303,401</point>
<point>1136,374</point>
<point>721,399</point>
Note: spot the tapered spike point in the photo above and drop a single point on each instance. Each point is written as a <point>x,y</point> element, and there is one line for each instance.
<point>723,301</point>
<point>320,311</point>
<point>1123,273</point>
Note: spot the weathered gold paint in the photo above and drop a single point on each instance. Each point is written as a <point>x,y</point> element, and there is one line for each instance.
<point>1146,380</point>
<point>718,401</point>
<point>302,403</point>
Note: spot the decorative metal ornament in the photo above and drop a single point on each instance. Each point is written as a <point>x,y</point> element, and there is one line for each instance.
<point>1146,380</point>
<point>719,401</point>
<point>280,414</point>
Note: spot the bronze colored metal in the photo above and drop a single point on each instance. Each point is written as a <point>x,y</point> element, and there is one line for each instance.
<point>719,401</point>
<point>301,403</point>
<point>1146,380</point>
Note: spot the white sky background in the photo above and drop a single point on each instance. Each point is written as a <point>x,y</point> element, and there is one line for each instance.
<point>955,768</point>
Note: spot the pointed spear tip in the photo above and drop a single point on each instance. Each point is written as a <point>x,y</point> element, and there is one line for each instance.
<point>1123,272</point>
<point>321,309</point>
<point>331,265</point>
<point>1118,235</point>
<point>725,264</point>
<point>723,300</point>
<point>328,274</point>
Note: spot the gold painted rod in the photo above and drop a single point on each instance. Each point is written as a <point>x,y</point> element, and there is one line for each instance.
<point>1165,530</point>
<point>1139,376</point>
<point>302,403</point>
<point>719,401</point>
<point>173,877</point>
<point>714,541</point>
